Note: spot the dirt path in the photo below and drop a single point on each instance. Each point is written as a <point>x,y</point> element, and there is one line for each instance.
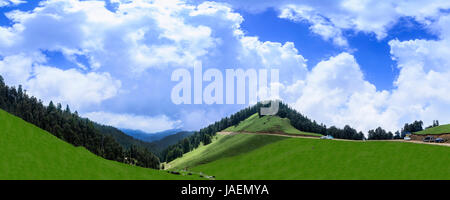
<point>312,137</point>
<point>277,134</point>
<point>418,142</point>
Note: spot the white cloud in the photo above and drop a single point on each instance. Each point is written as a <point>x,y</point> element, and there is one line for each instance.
<point>16,69</point>
<point>50,83</point>
<point>71,86</point>
<point>269,55</point>
<point>138,35</point>
<point>142,35</point>
<point>139,122</point>
<point>319,24</point>
<point>336,93</point>
<point>423,84</point>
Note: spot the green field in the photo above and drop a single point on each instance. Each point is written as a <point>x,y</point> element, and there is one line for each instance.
<point>303,158</point>
<point>435,130</point>
<point>268,124</point>
<point>27,152</point>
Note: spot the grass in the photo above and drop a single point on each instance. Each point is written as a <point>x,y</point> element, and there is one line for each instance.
<point>435,130</point>
<point>302,158</point>
<point>223,146</point>
<point>268,124</point>
<point>27,152</point>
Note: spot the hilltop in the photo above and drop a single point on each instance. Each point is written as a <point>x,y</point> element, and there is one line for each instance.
<point>442,129</point>
<point>268,124</point>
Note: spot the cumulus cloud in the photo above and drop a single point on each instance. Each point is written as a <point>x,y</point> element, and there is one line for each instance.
<point>319,24</point>
<point>423,85</point>
<point>16,69</point>
<point>71,86</point>
<point>128,121</point>
<point>273,55</point>
<point>138,35</point>
<point>335,92</point>
<point>51,83</point>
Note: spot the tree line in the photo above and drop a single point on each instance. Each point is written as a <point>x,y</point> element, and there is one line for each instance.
<point>70,127</point>
<point>381,134</point>
<point>305,124</point>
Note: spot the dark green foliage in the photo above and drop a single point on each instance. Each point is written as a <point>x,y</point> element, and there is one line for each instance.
<point>380,134</point>
<point>68,126</point>
<point>125,140</point>
<point>141,157</point>
<point>416,126</point>
<point>173,139</point>
<point>397,135</point>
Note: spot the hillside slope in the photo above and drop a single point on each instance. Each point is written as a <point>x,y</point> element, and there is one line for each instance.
<point>232,145</point>
<point>267,124</point>
<point>28,152</point>
<point>125,140</point>
<point>303,158</point>
<point>222,146</point>
<point>443,129</point>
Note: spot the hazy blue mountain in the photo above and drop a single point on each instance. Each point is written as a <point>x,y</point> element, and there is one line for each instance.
<point>150,137</point>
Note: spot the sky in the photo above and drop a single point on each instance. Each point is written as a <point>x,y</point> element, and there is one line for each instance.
<point>362,63</point>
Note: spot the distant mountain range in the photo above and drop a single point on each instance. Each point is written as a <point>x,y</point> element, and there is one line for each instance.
<point>150,137</point>
<point>160,140</point>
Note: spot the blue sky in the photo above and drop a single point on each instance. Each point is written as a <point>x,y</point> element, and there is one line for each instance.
<point>372,54</point>
<point>341,62</point>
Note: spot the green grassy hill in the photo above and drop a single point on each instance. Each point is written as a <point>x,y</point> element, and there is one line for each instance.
<point>304,158</point>
<point>268,124</point>
<point>223,146</point>
<point>27,152</point>
<point>435,130</point>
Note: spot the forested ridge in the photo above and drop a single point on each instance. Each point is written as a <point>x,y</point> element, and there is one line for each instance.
<point>70,127</point>
<point>297,120</point>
